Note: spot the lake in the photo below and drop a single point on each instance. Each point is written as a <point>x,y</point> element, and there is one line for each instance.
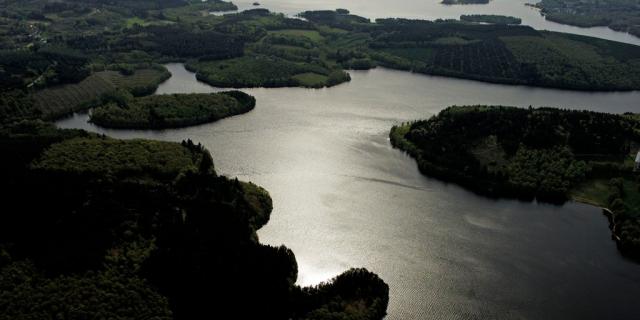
<point>344,198</point>
<point>433,9</point>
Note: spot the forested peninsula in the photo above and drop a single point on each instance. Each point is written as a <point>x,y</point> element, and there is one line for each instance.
<point>547,154</point>
<point>124,111</point>
<point>138,229</point>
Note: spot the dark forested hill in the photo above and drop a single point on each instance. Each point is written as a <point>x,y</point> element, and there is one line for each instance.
<point>96,227</point>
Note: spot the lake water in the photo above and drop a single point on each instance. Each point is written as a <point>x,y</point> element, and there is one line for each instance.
<point>344,198</point>
<point>433,9</point>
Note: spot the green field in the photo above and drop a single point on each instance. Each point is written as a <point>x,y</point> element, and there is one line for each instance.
<point>310,79</point>
<point>313,35</point>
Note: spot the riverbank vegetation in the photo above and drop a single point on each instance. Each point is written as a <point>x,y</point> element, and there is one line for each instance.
<point>169,111</point>
<point>548,154</point>
<point>148,229</point>
<point>618,15</point>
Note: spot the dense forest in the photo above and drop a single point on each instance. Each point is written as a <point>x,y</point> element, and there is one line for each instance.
<point>619,15</point>
<point>143,229</point>
<point>549,154</point>
<point>122,110</point>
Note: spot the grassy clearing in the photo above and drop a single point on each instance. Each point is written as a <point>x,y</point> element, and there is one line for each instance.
<point>313,35</point>
<point>598,191</point>
<point>311,79</point>
<point>595,192</point>
<point>136,21</point>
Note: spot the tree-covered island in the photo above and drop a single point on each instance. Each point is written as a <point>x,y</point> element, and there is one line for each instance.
<point>169,110</point>
<point>550,154</point>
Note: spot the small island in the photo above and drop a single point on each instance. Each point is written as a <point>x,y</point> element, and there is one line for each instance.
<point>547,154</point>
<point>490,18</point>
<point>170,110</point>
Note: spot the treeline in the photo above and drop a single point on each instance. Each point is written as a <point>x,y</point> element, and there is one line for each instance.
<point>138,229</point>
<point>122,110</point>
